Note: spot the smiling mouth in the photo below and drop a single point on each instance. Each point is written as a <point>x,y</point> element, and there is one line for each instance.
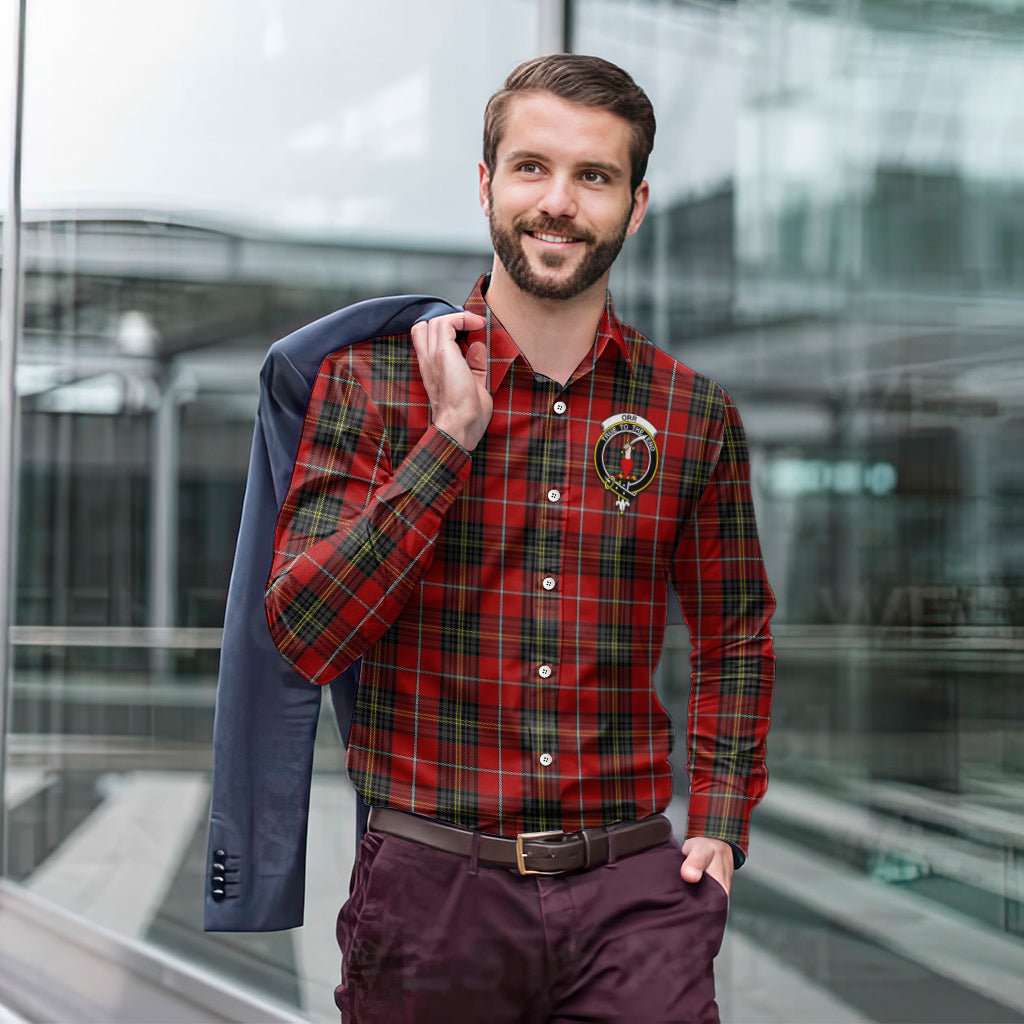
<point>546,237</point>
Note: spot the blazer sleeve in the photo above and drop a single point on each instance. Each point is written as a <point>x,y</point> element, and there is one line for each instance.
<point>266,714</point>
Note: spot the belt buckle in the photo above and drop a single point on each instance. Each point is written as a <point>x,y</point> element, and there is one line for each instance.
<point>521,855</point>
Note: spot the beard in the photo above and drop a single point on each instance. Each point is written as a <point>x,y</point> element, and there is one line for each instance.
<point>599,255</point>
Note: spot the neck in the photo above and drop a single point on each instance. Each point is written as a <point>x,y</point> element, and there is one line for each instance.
<point>553,334</point>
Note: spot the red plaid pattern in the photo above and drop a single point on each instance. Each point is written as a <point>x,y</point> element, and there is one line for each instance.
<point>510,605</point>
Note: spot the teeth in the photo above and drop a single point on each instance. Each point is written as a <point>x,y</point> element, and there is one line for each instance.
<point>551,238</point>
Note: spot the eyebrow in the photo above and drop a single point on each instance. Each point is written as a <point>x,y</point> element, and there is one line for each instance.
<point>613,171</point>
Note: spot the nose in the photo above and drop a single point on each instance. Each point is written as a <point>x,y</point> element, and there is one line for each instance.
<point>559,198</point>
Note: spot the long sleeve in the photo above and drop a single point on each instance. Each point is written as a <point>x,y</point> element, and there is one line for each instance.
<point>726,602</point>
<point>354,535</point>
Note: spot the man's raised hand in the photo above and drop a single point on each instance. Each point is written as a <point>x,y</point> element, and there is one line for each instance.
<point>456,385</point>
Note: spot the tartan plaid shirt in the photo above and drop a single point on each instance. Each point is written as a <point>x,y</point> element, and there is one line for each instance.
<point>509,604</point>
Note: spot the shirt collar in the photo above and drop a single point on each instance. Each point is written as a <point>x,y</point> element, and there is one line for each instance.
<point>502,349</point>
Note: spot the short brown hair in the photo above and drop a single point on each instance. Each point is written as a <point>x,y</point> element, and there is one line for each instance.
<point>577,78</point>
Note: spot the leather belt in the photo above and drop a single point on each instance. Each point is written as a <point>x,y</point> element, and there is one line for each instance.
<point>530,853</point>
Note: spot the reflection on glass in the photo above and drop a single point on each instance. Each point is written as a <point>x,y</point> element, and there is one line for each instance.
<point>355,121</point>
<point>200,179</point>
<point>836,237</point>
<point>8,25</point>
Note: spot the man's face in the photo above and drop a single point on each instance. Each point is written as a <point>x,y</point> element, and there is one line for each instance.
<point>559,202</point>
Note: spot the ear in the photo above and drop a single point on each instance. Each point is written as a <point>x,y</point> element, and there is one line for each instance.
<point>641,197</point>
<point>485,184</point>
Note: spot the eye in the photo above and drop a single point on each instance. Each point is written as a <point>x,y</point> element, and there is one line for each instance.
<point>594,177</point>
<point>529,167</point>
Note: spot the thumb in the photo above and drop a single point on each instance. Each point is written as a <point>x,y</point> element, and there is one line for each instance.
<point>694,865</point>
<point>476,356</point>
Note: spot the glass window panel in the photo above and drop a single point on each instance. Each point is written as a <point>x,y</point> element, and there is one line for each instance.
<point>8,55</point>
<point>200,179</point>
<point>330,119</point>
<point>835,236</point>
<point>8,23</point>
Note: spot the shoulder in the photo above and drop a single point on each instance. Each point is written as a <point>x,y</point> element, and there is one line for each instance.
<point>686,390</point>
<point>380,360</point>
<point>306,348</point>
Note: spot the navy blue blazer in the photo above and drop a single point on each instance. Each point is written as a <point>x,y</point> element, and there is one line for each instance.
<point>266,714</point>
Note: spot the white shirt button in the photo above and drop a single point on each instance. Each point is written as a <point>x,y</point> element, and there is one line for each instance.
<point>554,495</point>
<point>544,671</point>
<point>548,583</point>
<point>560,407</point>
<point>545,759</point>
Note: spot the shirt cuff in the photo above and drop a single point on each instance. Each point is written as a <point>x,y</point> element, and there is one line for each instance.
<point>449,437</point>
<point>432,476</point>
<point>723,816</point>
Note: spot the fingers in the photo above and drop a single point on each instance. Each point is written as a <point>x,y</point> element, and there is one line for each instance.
<point>435,344</point>
<point>461,320</point>
<point>456,385</point>
<point>472,321</point>
<point>711,855</point>
<point>434,339</point>
<point>447,326</point>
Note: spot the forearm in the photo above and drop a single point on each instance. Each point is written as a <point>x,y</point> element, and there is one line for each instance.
<point>331,601</point>
<point>727,603</point>
<point>729,713</point>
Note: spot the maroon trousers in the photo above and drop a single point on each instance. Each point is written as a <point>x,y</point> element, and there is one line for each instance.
<point>432,938</point>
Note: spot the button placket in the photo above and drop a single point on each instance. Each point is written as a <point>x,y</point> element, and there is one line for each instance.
<point>551,509</point>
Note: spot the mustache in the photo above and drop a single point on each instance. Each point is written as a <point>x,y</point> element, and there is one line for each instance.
<point>552,226</point>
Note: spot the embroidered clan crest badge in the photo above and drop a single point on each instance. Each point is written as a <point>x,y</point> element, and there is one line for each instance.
<point>626,457</point>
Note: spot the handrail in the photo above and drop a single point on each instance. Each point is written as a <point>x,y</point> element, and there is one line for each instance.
<point>167,637</point>
<point>55,963</point>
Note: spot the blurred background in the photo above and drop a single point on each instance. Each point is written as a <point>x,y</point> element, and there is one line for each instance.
<point>836,235</point>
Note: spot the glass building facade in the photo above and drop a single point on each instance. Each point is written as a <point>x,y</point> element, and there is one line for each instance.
<point>836,235</point>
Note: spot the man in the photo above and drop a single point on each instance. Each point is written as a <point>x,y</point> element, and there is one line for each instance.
<point>491,517</point>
